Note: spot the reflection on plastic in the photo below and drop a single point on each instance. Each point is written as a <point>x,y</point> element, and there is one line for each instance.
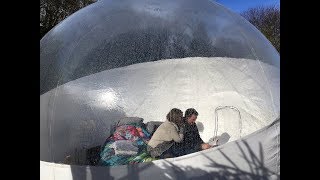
<point>108,98</point>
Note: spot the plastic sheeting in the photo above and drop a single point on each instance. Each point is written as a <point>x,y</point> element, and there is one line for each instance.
<point>141,58</point>
<point>110,34</point>
<point>81,113</point>
<point>256,156</point>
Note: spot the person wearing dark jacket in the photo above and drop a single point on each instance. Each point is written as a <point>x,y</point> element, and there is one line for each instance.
<point>192,141</point>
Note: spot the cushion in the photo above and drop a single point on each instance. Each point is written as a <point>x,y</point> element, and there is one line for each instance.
<point>130,120</point>
<point>152,126</point>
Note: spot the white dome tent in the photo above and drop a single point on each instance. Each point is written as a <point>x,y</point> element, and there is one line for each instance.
<point>141,58</point>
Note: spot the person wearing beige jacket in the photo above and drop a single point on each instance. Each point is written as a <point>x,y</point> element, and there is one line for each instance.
<point>166,134</point>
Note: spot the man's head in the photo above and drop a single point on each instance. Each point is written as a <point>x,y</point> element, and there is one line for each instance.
<point>175,115</point>
<point>191,115</point>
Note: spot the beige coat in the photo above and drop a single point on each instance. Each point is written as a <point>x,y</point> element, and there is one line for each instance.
<point>163,138</point>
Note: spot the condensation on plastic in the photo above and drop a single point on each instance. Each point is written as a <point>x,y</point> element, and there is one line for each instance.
<point>111,34</point>
<point>181,54</point>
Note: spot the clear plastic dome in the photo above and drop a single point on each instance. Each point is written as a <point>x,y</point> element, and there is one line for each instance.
<point>143,57</point>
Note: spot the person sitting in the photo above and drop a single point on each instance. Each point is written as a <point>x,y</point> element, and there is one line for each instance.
<point>192,141</point>
<point>166,134</point>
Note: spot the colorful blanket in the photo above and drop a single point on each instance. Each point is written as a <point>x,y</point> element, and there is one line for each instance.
<point>139,137</point>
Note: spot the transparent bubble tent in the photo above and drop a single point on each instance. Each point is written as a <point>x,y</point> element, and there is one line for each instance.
<point>141,58</point>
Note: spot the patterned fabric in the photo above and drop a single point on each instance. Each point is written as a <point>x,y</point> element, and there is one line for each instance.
<point>138,135</point>
<point>124,147</point>
<point>126,132</point>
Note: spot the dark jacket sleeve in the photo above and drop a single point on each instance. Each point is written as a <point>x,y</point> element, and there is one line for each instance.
<point>197,139</point>
<point>198,136</point>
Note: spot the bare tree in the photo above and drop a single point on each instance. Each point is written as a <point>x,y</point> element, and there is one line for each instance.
<point>267,20</point>
<point>54,11</point>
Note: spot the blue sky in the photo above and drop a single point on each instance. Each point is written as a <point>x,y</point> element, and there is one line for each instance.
<point>242,5</point>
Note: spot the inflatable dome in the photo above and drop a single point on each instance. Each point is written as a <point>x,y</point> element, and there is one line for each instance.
<point>141,58</point>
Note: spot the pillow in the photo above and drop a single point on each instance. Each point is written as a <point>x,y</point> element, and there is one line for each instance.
<point>220,140</point>
<point>152,126</point>
<point>224,138</point>
<point>130,120</point>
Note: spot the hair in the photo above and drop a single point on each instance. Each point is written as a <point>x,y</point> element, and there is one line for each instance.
<point>189,112</point>
<point>175,115</point>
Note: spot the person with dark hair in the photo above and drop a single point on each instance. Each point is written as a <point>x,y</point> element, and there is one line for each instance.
<point>166,134</point>
<point>192,141</point>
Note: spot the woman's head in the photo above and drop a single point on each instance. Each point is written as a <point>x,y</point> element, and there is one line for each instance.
<point>175,115</point>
